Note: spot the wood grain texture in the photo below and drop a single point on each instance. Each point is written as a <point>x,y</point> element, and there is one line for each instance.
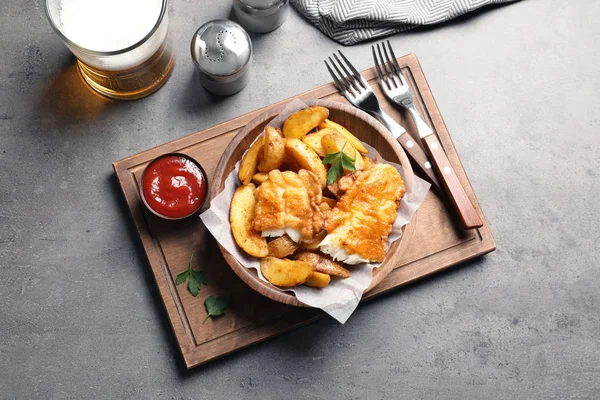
<point>437,241</point>
<point>467,213</point>
<point>363,126</point>
<point>420,159</point>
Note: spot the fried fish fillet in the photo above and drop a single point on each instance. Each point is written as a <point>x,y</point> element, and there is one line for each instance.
<point>360,223</point>
<point>288,202</point>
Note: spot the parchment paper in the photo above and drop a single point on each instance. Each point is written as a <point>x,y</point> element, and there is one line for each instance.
<point>341,297</point>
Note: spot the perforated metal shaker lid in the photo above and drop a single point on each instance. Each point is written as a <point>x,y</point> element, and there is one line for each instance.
<point>222,51</point>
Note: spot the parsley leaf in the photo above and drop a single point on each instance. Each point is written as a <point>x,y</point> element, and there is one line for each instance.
<point>348,163</point>
<point>216,306</point>
<point>193,286</point>
<point>330,158</point>
<point>182,277</point>
<point>339,161</point>
<point>200,277</point>
<point>334,173</point>
<point>195,278</point>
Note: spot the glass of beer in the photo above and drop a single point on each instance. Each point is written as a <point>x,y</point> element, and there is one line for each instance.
<point>122,47</point>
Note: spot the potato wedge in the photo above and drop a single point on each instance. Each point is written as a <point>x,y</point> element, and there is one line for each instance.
<point>282,247</point>
<point>354,141</point>
<point>323,264</point>
<point>314,245</point>
<point>301,122</point>
<point>359,162</point>
<point>368,163</point>
<point>259,178</point>
<point>313,140</point>
<point>273,150</point>
<point>250,161</point>
<point>240,217</point>
<point>284,272</point>
<point>330,202</point>
<point>318,280</point>
<point>306,158</point>
<point>335,142</point>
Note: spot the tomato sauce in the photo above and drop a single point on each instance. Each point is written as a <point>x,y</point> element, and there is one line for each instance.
<point>174,186</point>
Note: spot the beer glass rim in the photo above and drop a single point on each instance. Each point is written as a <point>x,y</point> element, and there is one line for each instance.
<point>68,41</point>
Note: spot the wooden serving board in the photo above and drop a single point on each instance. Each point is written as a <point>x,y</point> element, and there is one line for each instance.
<point>437,241</point>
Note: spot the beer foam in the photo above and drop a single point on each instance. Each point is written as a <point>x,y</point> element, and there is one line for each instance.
<point>108,25</point>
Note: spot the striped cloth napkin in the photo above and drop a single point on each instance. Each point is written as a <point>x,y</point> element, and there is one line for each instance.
<point>352,21</point>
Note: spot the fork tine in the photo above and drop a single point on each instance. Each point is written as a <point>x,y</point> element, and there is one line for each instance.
<point>378,68</point>
<point>376,64</point>
<point>348,75</point>
<point>395,62</point>
<point>336,81</point>
<point>347,84</point>
<point>384,67</point>
<point>390,67</point>
<point>357,74</point>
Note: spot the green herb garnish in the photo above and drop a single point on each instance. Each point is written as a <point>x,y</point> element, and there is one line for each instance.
<point>339,161</point>
<point>195,278</point>
<point>216,306</point>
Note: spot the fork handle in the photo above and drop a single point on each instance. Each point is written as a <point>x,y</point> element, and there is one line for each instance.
<point>422,126</point>
<point>419,157</point>
<point>411,147</point>
<point>467,212</point>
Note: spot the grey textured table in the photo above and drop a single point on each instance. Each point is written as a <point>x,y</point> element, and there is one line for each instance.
<point>519,89</point>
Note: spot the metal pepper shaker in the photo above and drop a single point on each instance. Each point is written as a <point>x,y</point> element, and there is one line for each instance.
<point>222,52</point>
<point>261,15</point>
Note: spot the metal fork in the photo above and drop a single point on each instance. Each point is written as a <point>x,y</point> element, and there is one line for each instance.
<point>395,87</point>
<point>358,92</point>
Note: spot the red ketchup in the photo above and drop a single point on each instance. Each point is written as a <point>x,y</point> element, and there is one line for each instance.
<point>173,186</point>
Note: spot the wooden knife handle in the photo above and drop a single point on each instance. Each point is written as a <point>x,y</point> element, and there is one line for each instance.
<point>419,157</point>
<point>468,214</point>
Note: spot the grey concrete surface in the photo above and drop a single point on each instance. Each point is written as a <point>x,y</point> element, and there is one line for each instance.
<point>518,87</point>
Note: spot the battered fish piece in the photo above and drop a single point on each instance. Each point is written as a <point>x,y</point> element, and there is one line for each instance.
<point>360,223</point>
<point>288,202</point>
